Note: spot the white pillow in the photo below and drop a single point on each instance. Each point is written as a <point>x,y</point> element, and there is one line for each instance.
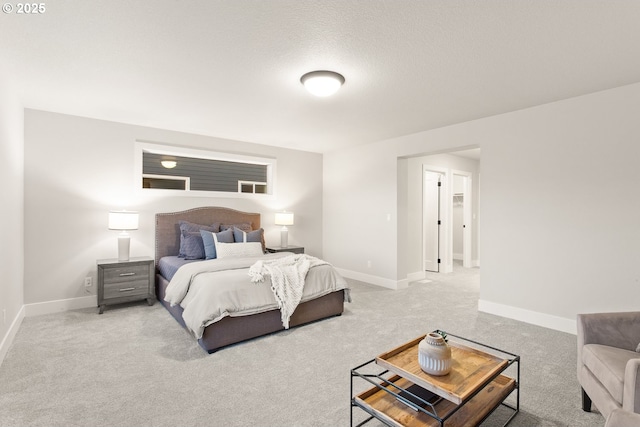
<point>236,250</point>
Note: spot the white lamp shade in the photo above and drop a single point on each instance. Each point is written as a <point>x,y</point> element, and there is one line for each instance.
<point>123,220</point>
<point>284,218</point>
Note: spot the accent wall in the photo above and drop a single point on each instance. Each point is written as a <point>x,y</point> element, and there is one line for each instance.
<point>78,169</point>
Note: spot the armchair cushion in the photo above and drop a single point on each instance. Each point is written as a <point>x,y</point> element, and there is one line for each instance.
<point>608,364</point>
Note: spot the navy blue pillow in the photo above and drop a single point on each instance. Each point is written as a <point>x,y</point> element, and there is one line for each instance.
<point>210,244</point>
<point>192,245</point>
<point>191,227</point>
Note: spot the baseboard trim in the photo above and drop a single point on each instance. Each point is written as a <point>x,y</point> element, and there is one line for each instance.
<point>11,334</point>
<point>533,317</point>
<point>374,280</point>
<point>57,306</point>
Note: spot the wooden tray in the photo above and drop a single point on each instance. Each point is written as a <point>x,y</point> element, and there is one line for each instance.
<point>470,369</point>
<point>396,413</point>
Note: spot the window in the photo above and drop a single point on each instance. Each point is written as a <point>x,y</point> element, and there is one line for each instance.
<point>252,187</point>
<point>198,172</point>
<point>166,182</point>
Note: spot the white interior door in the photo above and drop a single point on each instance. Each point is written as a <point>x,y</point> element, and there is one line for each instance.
<point>431,220</point>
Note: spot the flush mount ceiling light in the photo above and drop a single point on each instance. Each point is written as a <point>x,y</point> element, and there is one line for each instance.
<point>169,164</point>
<point>322,83</point>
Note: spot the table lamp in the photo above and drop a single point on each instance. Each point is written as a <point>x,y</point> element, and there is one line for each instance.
<point>284,219</point>
<point>123,221</point>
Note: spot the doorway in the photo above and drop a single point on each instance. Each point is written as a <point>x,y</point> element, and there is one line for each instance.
<point>416,251</point>
<point>447,218</point>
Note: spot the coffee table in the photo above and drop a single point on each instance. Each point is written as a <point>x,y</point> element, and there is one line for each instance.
<point>404,395</point>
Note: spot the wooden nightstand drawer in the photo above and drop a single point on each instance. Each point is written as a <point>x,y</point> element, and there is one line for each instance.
<point>126,289</point>
<point>126,274</point>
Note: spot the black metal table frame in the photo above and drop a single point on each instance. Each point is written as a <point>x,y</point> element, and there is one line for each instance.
<point>383,383</point>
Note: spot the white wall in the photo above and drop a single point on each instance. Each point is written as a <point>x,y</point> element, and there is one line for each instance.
<point>559,206</point>
<point>77,169</point>
<point>11,214</point>
<point>360,212</point>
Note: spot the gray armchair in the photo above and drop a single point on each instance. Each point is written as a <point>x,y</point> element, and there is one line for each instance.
<point>608,363</point>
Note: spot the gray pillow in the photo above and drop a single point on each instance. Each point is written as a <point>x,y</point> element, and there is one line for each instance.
<point>244,226</point>
<point>247,236</point>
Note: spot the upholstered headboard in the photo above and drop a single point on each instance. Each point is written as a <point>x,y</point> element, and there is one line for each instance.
<point>168,229</point>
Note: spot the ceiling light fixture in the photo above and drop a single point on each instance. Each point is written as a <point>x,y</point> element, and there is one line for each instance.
<point>169,164</point>
<point>322,83</point>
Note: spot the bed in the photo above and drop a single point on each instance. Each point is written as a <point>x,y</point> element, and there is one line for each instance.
<point>231,329</point>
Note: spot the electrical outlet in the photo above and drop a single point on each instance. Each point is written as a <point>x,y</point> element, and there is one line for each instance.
<point>368,264</point>
<point>4,316</point>
<point>88,282</point>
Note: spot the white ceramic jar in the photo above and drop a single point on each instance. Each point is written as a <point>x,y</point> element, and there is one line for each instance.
<point>434,355</point>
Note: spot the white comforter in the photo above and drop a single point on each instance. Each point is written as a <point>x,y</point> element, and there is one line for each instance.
<point>213,289</point>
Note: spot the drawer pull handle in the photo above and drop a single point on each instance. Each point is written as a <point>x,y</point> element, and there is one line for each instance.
<point>127,274</point>
<point>127,289</point>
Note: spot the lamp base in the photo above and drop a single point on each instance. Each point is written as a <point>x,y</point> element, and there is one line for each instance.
<point>284,237</point>
<point>123,247</point>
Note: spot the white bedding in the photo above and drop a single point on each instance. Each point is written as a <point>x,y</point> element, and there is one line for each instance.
<point>288,275</point>
<point>213,289</point>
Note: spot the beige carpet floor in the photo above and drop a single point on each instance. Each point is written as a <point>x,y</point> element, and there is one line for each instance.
<point>135,366</point>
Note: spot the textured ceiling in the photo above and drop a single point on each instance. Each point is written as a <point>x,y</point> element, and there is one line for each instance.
<point>231,68</point>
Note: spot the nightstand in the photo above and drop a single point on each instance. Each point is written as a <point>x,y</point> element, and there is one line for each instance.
<point>125,281</point>
<point>294,249</point>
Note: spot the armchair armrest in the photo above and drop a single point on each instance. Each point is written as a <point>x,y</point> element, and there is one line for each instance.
<point>622,418</point>
<point>631,392</point>
<point>621,330</point>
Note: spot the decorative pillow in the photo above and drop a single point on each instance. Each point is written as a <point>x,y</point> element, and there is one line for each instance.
<point>245,226</point>
<point>191,227</point>
<point>192,245</point>
<point>241,236</point>
<point>236,250</point>
<point>209,241</point>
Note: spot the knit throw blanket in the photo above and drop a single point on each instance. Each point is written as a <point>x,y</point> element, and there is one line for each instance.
<point>287,280</point>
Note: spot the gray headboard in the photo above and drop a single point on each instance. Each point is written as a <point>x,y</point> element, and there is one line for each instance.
<point>168,230</point>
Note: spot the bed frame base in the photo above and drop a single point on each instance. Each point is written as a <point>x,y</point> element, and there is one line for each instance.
<point>232,330</point>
